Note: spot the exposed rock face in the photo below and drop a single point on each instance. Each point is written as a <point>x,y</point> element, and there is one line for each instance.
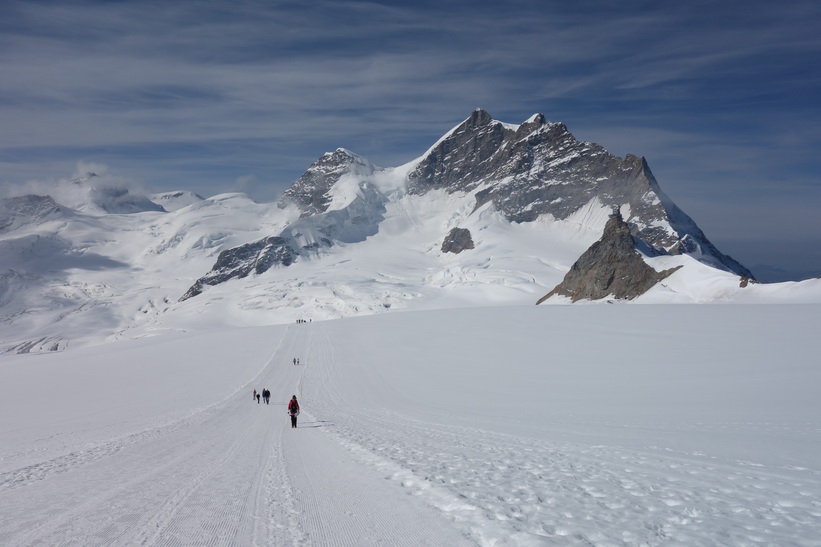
<point>457,240</point>
<point>240,261</point>
<point>540,168</point>
<point>610,267</point>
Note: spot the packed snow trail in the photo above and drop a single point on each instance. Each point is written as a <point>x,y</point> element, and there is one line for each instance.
<point>337,498</point>
<point>233,473</point>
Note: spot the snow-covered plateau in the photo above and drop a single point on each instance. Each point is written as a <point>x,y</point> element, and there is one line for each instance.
<point>510,425</point>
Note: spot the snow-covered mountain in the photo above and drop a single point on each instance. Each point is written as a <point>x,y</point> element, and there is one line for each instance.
<point>99,195</point>
<point>491,214</point>
<point>172,201</point>
<point>522,173</point>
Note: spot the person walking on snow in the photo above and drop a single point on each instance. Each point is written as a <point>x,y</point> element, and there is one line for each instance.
<point>293,410</point>
<point>255,395</point>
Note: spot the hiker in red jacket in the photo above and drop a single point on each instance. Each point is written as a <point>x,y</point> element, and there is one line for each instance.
<point>293,410</point>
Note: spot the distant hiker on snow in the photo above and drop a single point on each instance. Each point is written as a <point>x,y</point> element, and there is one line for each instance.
<point>293,410</point>
<point>255,395</point>
<point>266,395</point>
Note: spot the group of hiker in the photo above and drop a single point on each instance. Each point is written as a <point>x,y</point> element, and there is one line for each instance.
<point>293,404</point>
<point>265,394</point>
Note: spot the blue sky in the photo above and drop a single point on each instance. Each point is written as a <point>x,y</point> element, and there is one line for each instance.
<point>723,98</point>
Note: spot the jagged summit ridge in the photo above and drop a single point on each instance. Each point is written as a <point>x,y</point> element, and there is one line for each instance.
<point>539,168</point>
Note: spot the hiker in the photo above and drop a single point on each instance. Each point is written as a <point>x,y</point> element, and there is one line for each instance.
<point>293,410</point>
<point>254,396</point>
<point>266,395</point>
<point>257,397</point>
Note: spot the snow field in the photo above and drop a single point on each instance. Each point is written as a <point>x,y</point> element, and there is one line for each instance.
<point>560,425</point>
<point>487,437</point>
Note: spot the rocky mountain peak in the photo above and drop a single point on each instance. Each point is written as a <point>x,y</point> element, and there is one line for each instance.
<point>479,118</point>
<point>539,168</point>
<point>532,124</point>
<point>611,267</point>
<point>310,192</point>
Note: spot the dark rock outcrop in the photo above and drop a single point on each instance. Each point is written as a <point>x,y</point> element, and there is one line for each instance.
<point>457,240</point>
<point>241,261</point>
<point>351,224</point>
<point>610,267</point>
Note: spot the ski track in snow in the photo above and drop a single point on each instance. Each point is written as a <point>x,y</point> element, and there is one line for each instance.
<point>339,504</point>
<point>230,474</point>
